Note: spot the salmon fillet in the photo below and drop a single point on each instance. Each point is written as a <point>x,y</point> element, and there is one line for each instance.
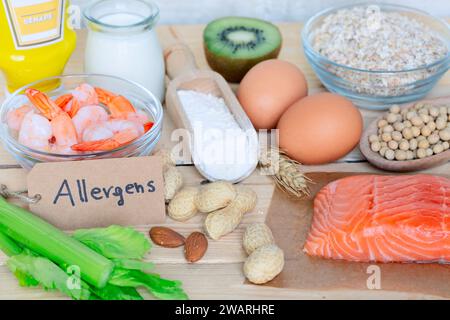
<point>382,219</point>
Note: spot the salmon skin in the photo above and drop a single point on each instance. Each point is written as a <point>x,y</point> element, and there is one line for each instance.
<point>382,219</point>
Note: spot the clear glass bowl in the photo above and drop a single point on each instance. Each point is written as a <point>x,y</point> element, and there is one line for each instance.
<point>377,90</point>
<point>141,98</point>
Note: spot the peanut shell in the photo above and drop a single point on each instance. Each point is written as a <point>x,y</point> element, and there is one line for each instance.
<point>173,181</point>
<point>245,199</point>
<point>182,207</point>
<point>264,264</point>
<point>224,221</point>
<point>167,158</point>
<point>257,235</point>
<point>215,196</point>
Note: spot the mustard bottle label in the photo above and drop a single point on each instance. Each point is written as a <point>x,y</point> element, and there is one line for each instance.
<point>35,23</point>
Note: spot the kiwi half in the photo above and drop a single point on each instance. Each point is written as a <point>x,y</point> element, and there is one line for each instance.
<point>233,45</point>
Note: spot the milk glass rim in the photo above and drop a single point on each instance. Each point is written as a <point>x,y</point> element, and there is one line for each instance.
<point>147,22</point>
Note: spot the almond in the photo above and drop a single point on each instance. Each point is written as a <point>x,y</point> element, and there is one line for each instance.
<point>195,247</point>
<point>166,237</point>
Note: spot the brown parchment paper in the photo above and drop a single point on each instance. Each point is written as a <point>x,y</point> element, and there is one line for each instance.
<point>290,221</point>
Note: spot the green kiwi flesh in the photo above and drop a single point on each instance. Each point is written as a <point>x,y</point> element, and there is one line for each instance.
<point>234,45</point>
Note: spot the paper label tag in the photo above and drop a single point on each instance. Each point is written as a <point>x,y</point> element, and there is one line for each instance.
<point>35,23</point>
<point>99,193</point>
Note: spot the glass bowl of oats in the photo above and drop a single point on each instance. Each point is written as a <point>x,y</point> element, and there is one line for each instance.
<point>377,55</point>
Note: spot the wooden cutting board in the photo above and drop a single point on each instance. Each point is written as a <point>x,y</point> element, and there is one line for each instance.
<point>290,221</point>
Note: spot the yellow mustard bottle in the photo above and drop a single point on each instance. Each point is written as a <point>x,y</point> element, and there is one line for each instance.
<point>35,41</point>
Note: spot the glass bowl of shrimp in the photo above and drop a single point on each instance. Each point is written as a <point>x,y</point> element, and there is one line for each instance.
<point>86,117</point>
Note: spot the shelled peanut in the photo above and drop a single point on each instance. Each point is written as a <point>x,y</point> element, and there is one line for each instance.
<point>413,133</point>
<point>266,260</point>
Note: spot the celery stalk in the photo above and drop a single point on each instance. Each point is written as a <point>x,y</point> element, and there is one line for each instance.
<point>46,240</point>
<point>8,246</point>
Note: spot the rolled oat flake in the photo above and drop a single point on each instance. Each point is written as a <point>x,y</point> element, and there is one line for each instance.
<point>369,38</point>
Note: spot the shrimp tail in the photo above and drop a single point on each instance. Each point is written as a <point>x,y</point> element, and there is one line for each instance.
<point>76,106</point>
<point>148,126</point>
<point>119,139</point>
<point>45,105</point>
<point>104,96</point>
<point>120,105</point>
<point>63,102</point>
<point>117,105</point>
<point>100,145</point>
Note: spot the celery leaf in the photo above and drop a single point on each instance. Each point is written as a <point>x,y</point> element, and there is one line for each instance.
<point>32,271</point>
<point>111,292</point>
<point>25,280</point>
<point>159,287</point>
<point>115,242</point>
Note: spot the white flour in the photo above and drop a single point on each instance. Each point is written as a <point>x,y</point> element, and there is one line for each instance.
<point>221,148</point>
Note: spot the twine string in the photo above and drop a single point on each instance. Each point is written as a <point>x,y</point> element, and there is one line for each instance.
<point>19,195</point>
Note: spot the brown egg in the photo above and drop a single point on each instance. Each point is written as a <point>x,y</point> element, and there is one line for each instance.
<point>321,128</point>
<point>269,89</point>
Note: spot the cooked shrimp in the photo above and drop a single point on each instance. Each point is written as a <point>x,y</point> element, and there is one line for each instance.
<point>62,149</point>
<point>97,131</point>
<point>83,95</point>
<point>117,105</point>
<point>121,108</point>
<point>86,95</point>
<point>69,104</point>
<point>36,132</point>
<point>106,130</point>
<point>64,100</point>
<point>62,126</point>
<point>104,96</point>
<point>138,117</point>
<point>119,139</point>
<point>117,125</point>
<point>43,103</point>
<point>76,122</point>
<point>87,116</point>
<point>109,135</point>
<point>15,117</point>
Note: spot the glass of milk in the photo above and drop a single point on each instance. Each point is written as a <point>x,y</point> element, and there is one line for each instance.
<point>122,42</point>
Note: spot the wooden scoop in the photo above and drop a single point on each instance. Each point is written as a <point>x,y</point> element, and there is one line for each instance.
<point>184,75</point>
<point>402,166</point>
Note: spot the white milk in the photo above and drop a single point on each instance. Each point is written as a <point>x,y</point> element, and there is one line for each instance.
<point>135,56</point>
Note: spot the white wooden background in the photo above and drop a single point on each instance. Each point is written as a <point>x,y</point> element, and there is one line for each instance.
<point>203,11</point>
